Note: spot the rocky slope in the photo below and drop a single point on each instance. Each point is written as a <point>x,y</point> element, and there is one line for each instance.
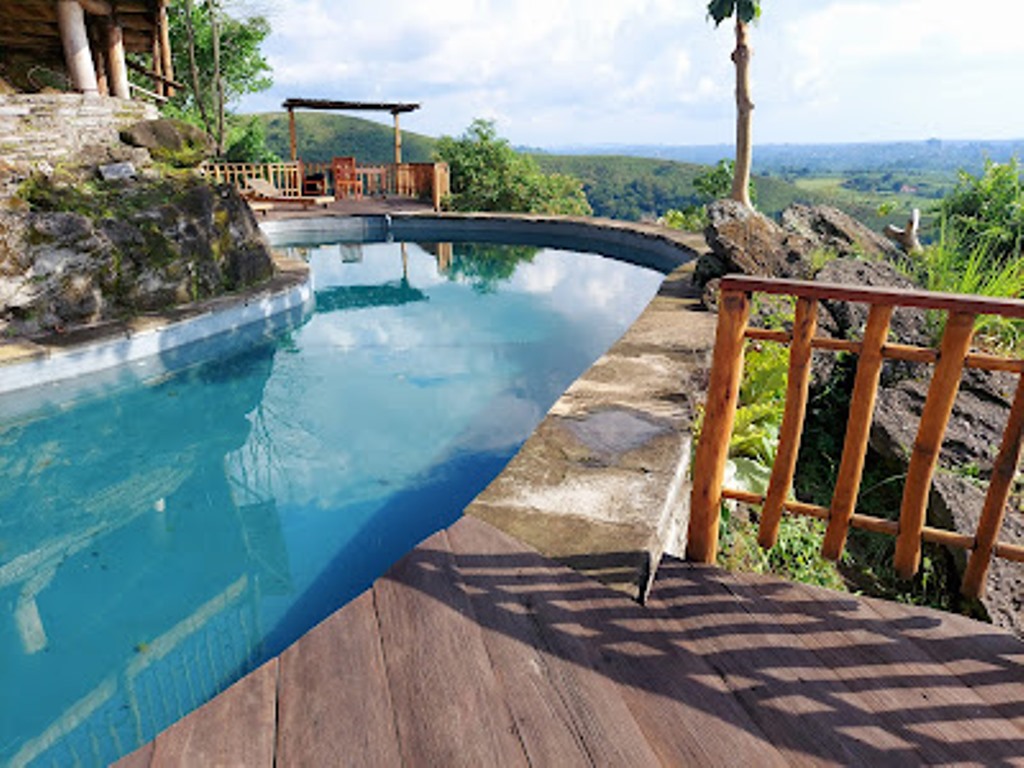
<point>77,249</point>
<point>824,244</point>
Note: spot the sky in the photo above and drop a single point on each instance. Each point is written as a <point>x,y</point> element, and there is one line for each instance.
<point>557,73</point>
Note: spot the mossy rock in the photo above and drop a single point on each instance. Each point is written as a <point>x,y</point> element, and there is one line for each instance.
<point>169,141</point>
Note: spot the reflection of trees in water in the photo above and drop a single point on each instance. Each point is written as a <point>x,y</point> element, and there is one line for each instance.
<point>484,265</point>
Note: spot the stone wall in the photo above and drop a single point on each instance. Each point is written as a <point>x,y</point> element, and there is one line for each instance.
<point>52,127</point>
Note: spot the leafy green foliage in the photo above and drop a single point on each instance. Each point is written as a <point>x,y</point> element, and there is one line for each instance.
<point>247,143</point>
<point>243,67</point>
<point>747,10</point>
<point>691,219</point>
<point>488,175</point>
<point>713,184</point>
<point>987,210</point>
<point>979,247</point>
<point>762,401</point>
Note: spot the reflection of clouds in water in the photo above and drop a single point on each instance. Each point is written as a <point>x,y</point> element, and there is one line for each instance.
<point>580,284</point>
<point>377,395</point>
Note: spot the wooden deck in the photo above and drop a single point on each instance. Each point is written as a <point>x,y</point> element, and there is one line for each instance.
<point>476,651</point>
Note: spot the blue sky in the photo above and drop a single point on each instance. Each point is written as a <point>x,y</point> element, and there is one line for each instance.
<point>561,72</point>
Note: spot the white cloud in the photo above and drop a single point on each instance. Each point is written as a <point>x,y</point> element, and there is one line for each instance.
<point>573,71</point>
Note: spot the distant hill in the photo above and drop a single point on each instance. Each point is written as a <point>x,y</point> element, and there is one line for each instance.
<point>634,188</point>
<point>822,159</point>
<point>323,135</point>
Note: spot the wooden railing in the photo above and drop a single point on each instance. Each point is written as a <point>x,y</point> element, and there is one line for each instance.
<point>285,177</point>
<point>423,181</point>
<point>952,356</point>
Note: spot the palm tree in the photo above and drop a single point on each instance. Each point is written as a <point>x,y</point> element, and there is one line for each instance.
<point>745,12</point>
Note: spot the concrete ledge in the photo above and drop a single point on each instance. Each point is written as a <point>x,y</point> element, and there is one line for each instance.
<point>648,245</point>
<point>26,363</point>
<point>602,485</point>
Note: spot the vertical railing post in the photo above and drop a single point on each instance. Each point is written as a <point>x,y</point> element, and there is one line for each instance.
<point>937,408</point>
<point>995,500</point>
<point>858,430</point>
<point>798,382</point>
<point>719,414</point>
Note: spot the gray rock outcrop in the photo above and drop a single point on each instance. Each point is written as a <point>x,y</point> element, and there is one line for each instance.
<point>164,243</point>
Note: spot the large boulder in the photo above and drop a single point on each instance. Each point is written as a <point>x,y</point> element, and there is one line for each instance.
<point>829,229</point>
<point>742,240</point>
<point>170,141</point>
<point>146,246</point>
<point>748,242</point>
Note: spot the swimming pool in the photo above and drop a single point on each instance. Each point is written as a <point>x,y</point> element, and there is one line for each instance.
<point>160,538</point>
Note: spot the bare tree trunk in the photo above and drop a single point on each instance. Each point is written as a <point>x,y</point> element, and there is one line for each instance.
<point>217,78</point>
<point>744,108</point>
<point>194,69</point>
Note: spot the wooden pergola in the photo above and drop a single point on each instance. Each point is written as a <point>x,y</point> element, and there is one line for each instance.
<point>395,108</point>
<point>90,38</point>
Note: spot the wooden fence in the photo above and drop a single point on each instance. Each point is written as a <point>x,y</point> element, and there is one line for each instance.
<point>285,177</point>
<point>952,356</point>
<point>421,181</point>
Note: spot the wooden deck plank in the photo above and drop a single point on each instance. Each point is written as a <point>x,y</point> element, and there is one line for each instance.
<point>567,714</point>
<point>475,650</point>
<point>988,660</point>
<point>751,648</point>
<point>333,695</point>
<point>914,698</point>
<point>672,697</point>
<point>448,706</point>
<point>236,728</point>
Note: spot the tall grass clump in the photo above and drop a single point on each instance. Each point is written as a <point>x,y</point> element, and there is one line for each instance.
<point>978,250</point>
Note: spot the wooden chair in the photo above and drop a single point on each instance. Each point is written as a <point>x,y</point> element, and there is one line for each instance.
<point>346,180</point>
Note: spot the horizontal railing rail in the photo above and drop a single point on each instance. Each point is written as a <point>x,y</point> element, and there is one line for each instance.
<point>286,178</point>
<point>953,355</point>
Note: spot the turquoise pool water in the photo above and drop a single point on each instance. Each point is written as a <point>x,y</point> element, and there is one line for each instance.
<point>163,533</point>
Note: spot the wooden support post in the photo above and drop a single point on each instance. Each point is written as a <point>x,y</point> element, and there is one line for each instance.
<point>858,429</point>
<point>719,415</point>
<point>937,409</point>
<point>291,134</point>
<point>797,386</point>
<point>75,40</point>
<point>167,61</point>
<point>158,68</point>
<point>117,69</point>
<point>992,513</point>
<point>97,42</point>
<point>398,141</point>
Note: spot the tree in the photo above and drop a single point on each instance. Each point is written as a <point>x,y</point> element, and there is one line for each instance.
<point>745,12</point>
<point>222,56</point>
<point>488,175</point>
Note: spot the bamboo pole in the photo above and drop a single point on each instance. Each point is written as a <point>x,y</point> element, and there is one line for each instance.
<point>167,60</point>
<point>116,66</point>
<point>293,143</point>
<point>858,429</point>
<point>719,414</point>
<point>925,455</point>
<point>75,41</point>
<point>398,141</point>
<point>797,385</point>
<point>995,500</point>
